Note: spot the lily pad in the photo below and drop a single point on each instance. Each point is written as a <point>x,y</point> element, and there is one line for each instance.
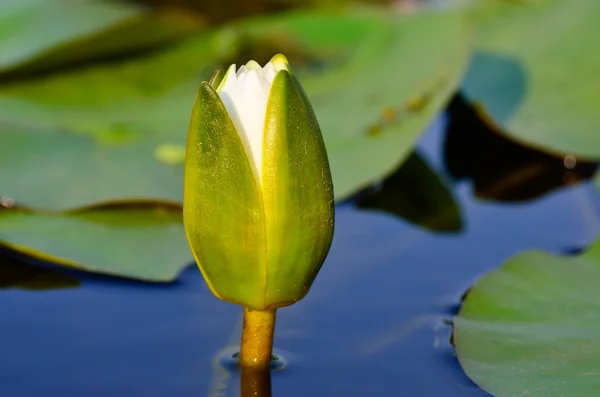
<point>384,80</point>
<point>37,34</point>
<point>63,170</point>
<point>535,73</point>
<point>531,327</point>
<point>142,243</point>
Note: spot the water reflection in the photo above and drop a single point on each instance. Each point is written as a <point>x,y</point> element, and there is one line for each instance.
<point>415,193</point>
<point>17,273</point>
<point>501,169</point>
<point>255,383</point>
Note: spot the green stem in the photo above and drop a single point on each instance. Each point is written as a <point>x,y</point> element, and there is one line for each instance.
<point>257,338</point>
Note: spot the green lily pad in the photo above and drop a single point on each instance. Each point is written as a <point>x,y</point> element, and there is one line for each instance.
<point>535,73</point>
<point>142,243</point>
<point>531,327</point>
<point>384,79</point>
<point>62,169</point>
<point>37,34</point>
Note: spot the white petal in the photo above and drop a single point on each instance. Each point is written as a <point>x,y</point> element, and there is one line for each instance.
<point>253,65</point>
<point>243,69</point>
<point>269,72</point>
<point>230,72</point>
<point>228,90</point>
<point>245,94</point>
<point>252,107</point>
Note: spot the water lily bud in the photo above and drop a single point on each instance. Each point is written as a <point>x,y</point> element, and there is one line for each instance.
<point>258,195</point>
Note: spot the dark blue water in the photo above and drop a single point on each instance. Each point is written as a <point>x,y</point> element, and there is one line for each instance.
<point>374,324</point>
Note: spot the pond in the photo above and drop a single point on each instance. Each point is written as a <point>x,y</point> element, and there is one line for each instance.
<point>377,320</point>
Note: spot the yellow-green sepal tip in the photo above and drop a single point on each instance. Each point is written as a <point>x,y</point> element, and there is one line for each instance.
<point>216,78</point>
<point>280,62</point>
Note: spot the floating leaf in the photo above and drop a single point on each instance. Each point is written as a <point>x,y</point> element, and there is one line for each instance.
<point>142,243</point>
<point>415,192</point>
<point>531,327</point>
<point>38,34</point>
<point>535,73</point>
<point>386,73</point>
<point>64,170</point>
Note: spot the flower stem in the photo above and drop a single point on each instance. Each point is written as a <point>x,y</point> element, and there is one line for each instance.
<point>257,338</point>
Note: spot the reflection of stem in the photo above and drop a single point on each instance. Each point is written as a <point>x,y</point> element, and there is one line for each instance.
<point>255,382</point>
<point>257,338</point>
<point>221,373</point>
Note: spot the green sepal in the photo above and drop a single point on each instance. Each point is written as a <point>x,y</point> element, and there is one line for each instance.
<point>297,193</point>
<point>222,209</point>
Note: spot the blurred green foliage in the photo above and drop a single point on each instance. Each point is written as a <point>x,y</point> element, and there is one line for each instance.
<point>95,102</point>
<point>105,132</point>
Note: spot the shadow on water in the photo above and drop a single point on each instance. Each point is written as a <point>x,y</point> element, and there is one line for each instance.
<point>377,320</point>
<point>414,192</point>
<point>17,272</point>
<point>500,169</point>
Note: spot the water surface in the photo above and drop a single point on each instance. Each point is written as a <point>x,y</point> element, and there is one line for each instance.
<point>375,322</point>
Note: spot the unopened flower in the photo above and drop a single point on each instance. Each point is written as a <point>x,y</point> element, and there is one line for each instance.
<point>258,196</point>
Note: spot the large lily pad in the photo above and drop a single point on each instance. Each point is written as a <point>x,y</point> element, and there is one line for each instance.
<point>532,327</point>
<point>535,73</point>
<point>146,244</point>
<point>62,169</point>
<point>383,81</point>
<point>37,34</point>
